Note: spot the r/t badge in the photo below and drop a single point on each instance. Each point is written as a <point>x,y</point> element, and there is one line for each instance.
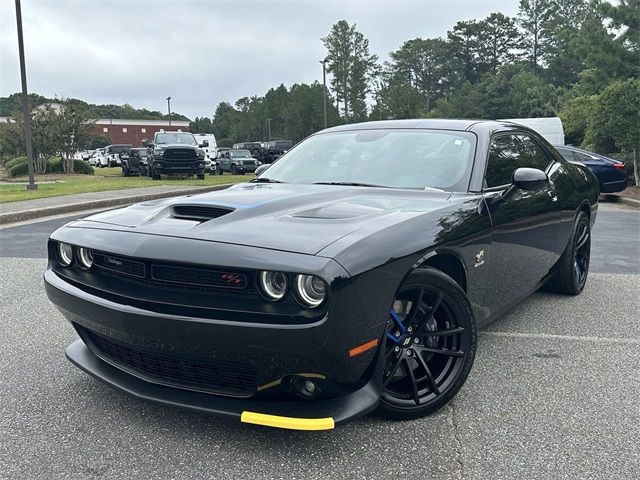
<point>479,259</point>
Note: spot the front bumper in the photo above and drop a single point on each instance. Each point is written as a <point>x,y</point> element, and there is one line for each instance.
<point>277,351</point>
<point>296,415</point>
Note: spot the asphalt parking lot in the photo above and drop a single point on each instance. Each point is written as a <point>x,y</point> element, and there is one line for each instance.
<point>554,393</point>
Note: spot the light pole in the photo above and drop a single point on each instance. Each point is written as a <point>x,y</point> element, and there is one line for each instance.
<point>324,90</point>
<point>169,108</point>
<point>269,127</point>
<point>25,101</point>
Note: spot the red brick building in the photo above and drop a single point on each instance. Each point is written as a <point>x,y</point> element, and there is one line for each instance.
<point>135,131</point>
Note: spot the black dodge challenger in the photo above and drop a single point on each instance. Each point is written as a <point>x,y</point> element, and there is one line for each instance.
<point>348,277</point>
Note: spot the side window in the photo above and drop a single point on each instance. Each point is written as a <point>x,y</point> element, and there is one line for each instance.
<point>566,154</point>
<point>509,152</point>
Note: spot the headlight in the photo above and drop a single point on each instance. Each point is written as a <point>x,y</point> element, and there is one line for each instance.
<point>85,258</point>
<point>158,151</point>
<point>273,285</point>
<point>311,290</point>
<point>65,254</point>
<point>200,153</point>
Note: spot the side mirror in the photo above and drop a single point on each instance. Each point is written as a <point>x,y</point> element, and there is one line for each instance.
<point>204,144</point>
<point>529,179</point>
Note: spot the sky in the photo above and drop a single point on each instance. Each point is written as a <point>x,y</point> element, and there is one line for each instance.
<point>200,52</point>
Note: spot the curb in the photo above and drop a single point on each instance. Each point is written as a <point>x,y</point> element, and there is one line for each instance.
<point>632,202</point>
<point>12,217</point>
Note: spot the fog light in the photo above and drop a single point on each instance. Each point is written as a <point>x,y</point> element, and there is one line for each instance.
<point>65,254</point>
<point>309,386</point>
<point>85,258</point>
<point>273,285</point>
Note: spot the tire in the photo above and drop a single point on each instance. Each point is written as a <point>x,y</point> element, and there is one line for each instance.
<point>220,171</point>
<point>125,171</point>
<point>143,171</point>
<point>234,170</point>
<point>154,175</point>
<point>429,348</point>
<point>200,176</point>
<point>572,269</point>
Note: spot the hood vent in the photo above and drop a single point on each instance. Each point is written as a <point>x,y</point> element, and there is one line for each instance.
<point>200,213</point>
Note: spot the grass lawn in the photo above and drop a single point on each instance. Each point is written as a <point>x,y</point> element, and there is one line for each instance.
<point>104,179</point>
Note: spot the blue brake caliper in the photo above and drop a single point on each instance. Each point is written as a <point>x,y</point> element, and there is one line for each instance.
<point>399,326</point>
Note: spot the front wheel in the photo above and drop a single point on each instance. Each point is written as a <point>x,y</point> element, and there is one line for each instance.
<point>200,176</point>
<point>234,170</point>
<point>430,345</point>
<point>571,273</point>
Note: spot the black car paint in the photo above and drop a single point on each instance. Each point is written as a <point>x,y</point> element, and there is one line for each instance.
<point>137,157</point>
<point>176,159</point>
<point>361,241</point>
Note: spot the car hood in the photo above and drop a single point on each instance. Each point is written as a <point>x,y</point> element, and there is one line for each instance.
<point>175,145</point>
<point>295,218</point>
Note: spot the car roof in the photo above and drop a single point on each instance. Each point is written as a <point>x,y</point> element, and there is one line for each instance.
<point>429,123</point>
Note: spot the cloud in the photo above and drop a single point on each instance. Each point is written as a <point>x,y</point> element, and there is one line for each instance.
<point>200,52</point>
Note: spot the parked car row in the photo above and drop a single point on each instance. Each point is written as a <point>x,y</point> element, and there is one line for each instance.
<point>265,152</point>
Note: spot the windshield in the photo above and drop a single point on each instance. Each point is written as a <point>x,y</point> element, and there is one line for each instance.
<point>119,148</point>
<point>395,158</point>
<point>184,138</point>
<point>240,153</point>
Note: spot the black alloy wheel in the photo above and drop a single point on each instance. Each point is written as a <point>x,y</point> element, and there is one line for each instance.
<point>430,345</point>
<point>572,269</point>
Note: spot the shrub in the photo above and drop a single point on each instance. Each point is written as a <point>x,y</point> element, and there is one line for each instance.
<point>19,170</point>
<point>14,161</point>
<point>54,165</point>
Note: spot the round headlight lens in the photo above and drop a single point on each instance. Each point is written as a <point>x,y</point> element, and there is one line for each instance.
<point>273,285</point>
<point>85,258</point>
<point>65,254</point>
<point>311,290</point>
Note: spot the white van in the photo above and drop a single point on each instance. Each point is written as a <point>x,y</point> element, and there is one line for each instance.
<point>209,149</point>
<point>550,128</point>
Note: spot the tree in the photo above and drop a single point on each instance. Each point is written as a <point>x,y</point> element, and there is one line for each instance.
<point>464,43</point>
<point>625,17</point>
<point>201,125</point>
<point>352,67</point>
<point>615,123</point>
<point>423,65</point>
<point>223,120</point>
<point>532,16</point>
<point>499,39</point>
<point>99,141</point>
<point>73,129</point>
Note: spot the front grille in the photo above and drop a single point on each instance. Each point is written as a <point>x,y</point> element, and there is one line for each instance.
<point>179,154</point>
<point>198,212</point>
<point>121,265</point>
<point>213,376</point>
<point>198,276</point>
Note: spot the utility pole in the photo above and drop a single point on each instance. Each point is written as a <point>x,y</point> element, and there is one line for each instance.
<point>25,102</point>
<point>324,90</point>
<point>269,127</point>
<point>169,108</point>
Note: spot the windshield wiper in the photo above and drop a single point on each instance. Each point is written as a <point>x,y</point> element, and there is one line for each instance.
<point>349,184</point>
<point>264,180</point>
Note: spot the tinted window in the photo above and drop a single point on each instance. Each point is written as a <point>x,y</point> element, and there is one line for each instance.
<point>397,158</point>
<point>509,152</point>
<point>566,154</point>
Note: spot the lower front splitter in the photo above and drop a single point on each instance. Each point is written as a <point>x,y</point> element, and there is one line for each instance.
<point>296,415</point>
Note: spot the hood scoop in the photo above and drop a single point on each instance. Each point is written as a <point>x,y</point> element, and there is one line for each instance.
<point>200,213</point>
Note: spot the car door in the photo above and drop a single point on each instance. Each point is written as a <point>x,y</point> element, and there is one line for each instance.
<point>525,240</point>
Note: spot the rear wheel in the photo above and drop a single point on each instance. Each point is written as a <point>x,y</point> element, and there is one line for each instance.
<point>573,267</point>
<point>125,171</point>
<point>154,175</point>
<point>143,170</point>
<point>429,347</point>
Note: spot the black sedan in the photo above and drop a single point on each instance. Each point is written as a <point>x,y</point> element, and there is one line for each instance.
<point>335,283</point>
<point>610,173</point>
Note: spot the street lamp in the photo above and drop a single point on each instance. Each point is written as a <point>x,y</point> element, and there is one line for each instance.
<point>324,90</point>
<point>25,102</point>
<point>169,108</point>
